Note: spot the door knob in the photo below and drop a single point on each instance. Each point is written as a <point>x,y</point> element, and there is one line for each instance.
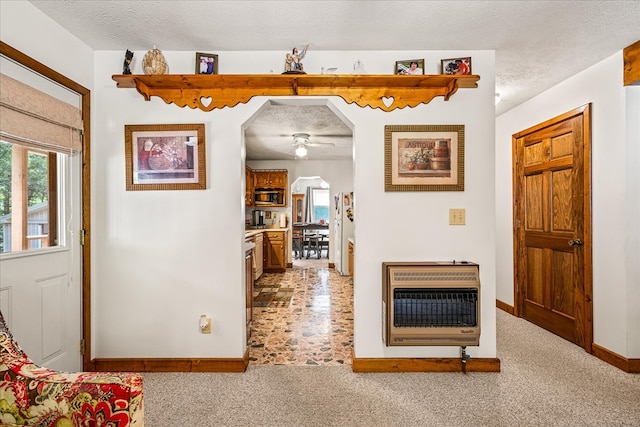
<point>576,242</point>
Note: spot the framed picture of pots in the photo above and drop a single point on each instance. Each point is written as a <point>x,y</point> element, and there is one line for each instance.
<point>424,158</point>
<point>165,157</point>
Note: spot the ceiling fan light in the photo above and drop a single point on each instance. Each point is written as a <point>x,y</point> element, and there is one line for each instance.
<point>301,151</point>
<point>301,138</point>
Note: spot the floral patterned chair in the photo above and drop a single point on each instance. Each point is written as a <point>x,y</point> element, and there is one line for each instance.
<point>31,395</point>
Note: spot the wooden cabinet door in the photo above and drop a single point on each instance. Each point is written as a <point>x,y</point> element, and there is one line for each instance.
<point>270,179</point>
<point>275,251</point>
<point>248,195</point>
<point>258,256</point>
<point>297,210</point>
<point>279,179</point>
<point>260,179</point>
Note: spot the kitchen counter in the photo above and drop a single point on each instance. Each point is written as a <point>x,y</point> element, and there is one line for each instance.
<point>253,231</point>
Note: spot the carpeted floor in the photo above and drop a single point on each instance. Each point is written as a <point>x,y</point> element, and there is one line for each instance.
<point>545,381</point>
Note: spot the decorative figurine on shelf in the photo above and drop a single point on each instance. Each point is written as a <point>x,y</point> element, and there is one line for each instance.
<point>126,67</point>
<point>292,63</point>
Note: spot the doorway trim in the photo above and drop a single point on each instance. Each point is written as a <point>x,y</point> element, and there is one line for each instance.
<point>587,317</point>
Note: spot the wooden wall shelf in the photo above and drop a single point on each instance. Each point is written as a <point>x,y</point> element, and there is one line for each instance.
<point>208,92</point>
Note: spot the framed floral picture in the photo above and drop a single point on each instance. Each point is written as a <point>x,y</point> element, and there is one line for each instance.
<point>424,158</point>
<point>165,157</point>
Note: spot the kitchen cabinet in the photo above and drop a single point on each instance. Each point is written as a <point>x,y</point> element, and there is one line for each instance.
<point>258,256</point>
<point>350,256</point>
<point>275,250</point>
<point>270,178</point>
<point>248,194</point>
<point>297,208</point>
<point>248,264</point>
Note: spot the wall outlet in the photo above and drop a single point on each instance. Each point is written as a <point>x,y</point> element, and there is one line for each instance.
<point>205,324</point>
<point>457,216</point>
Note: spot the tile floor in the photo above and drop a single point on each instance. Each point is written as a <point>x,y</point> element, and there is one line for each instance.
<point>316,328</point>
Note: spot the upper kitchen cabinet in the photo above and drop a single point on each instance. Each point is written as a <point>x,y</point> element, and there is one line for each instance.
<point>270,178</point>
<point>248,194</point>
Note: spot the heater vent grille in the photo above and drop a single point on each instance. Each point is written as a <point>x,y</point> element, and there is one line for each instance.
<point>434,276</point>
<point>435,307</point>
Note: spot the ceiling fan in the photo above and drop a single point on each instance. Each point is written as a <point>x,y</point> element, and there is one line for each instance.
<point>301,142</point>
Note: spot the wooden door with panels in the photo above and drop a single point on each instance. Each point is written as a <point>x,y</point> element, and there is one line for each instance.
<point>552,226</point>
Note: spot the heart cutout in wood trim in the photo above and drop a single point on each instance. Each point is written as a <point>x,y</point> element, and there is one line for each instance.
<point>388,101</point>
<point>206,101</point>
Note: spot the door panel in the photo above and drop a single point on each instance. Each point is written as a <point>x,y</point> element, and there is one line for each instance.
<point>551,202</point>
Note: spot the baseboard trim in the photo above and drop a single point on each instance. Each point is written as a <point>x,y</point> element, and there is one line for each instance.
<point>171,365</point>
<point>332,265</point>
<point>631,366</point>
<point>364,365</point>
<point>504,307</point>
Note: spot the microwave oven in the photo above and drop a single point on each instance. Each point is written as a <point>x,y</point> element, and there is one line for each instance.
<point>270,197</point>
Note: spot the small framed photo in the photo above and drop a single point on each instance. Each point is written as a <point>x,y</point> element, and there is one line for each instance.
<point>165,157</point>
<point>206,63</point>
<point>409,67</point>
<point>456,66</point>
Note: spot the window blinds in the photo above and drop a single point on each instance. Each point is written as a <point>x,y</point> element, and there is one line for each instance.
<point>32,118</point>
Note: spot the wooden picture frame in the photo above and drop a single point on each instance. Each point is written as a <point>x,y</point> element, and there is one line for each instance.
<point>461,66</point>
<point>424,158</point>
<point>206,63</point>
<point>165,157</point>
<point>405,67</point>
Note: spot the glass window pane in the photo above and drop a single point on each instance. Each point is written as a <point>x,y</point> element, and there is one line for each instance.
<point>37,200</point>
<point>5,196</point>
<point>320,204</point>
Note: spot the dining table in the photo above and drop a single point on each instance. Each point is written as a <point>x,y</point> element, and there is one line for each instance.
<point>312,238</point>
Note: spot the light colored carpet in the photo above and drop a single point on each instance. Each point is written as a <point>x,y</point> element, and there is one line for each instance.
<point>545,381</point>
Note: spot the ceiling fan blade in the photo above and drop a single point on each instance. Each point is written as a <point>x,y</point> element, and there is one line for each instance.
<point>320,144</point>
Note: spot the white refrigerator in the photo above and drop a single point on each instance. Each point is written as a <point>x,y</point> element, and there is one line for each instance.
<point>342,230</point>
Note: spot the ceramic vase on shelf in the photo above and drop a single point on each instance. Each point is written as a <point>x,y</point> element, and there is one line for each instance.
<point>154,62</point>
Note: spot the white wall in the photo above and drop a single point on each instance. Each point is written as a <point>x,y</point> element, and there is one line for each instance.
<point>25,28</point>
<point>147,300</point>
<point>614,195</point>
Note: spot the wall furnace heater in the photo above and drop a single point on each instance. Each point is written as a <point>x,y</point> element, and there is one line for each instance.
<point>430,303</point>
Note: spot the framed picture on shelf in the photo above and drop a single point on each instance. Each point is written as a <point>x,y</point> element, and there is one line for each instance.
<point>206,63</point>
<point>456,66</point>
<point>424,158</point>
<point>409,67</point>
<point>165,157</point>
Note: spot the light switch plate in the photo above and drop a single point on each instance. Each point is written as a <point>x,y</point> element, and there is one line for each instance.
<point>457,216</point>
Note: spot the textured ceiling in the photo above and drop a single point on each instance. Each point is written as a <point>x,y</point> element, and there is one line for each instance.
<point>537,43</point>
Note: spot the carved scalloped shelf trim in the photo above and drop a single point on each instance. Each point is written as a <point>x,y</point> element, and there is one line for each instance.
<point>208,92</point>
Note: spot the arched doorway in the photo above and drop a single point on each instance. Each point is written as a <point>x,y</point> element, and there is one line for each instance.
<point>316,327</point>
